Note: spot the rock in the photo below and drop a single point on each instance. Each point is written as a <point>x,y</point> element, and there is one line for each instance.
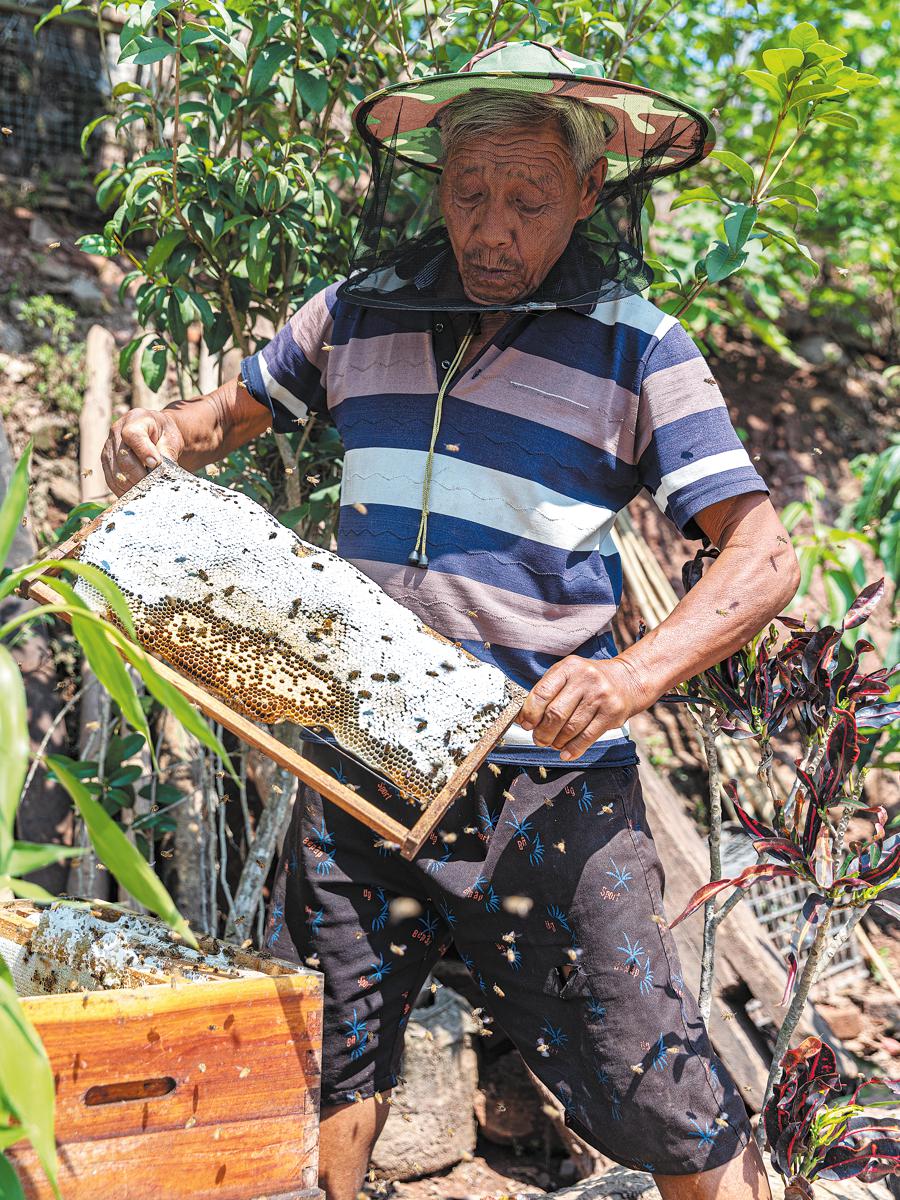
<point>439,1075</point>
<point>40,233</point>
<point>15,370</point>
<point>87,295</point>
<point>65,490</point>
<point>845,1019</point>
<point>54,269</point>
<point>507,1104</point>
<point>11,339</point>
<point>819,350</point>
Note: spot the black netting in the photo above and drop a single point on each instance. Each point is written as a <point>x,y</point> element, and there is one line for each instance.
<point>403,257</point>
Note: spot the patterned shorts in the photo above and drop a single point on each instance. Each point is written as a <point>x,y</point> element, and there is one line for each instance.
<point>551,890</point>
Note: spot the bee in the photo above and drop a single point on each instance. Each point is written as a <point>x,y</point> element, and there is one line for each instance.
<point>110,527</point>
<point>185,516</point>
<point>452,447</point>
<point>203,575</point>
<point>360,508</point>
<point>560,846</point>
<point>228,590</point>
<point>317,566</point>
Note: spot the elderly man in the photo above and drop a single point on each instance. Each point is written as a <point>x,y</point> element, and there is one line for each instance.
<point>502,391</point>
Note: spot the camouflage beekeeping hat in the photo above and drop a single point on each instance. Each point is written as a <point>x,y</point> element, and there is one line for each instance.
<point>400,259</point>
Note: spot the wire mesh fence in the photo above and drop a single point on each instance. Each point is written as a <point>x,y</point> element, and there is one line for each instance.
<point>52,83</point>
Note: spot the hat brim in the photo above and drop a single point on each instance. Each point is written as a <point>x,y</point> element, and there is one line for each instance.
<point>643,124</point>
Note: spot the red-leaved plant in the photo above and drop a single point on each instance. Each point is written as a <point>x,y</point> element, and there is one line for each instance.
<point>817,1131</point>
<point>809,686</point>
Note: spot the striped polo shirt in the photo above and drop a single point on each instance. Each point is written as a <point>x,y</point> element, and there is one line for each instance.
<point>545,436</point>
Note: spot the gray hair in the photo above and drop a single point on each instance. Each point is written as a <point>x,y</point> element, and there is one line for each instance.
<point>485,111</point>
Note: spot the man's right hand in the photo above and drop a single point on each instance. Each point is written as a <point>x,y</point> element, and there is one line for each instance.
<point>136,444</point>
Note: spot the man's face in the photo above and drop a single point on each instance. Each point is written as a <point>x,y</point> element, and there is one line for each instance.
<point>510,201</point>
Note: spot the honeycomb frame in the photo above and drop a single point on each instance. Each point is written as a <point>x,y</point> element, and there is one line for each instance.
<point>314,642</point>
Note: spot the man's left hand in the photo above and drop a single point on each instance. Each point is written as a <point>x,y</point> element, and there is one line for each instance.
<point>579,699</point>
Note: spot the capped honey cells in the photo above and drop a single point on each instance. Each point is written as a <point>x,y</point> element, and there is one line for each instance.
<point>285,631</point>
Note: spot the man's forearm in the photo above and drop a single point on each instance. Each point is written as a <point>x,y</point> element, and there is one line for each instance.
<point>736,597</point>
<point>214,425</point>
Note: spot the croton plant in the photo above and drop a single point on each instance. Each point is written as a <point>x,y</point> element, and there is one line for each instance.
<point>818,1129</point>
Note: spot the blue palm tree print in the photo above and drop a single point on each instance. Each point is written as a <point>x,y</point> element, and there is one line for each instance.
<point>277,920</point>
<point>633,951</point>
<point>513,955</point>
<point>325,865</point>
<point>447,913</point>
<point>433,865</point>
<point>707,1134</point>
<point>322,837</point>
<point>621,875</point>
<point>615,1103</point>
<point>586,799</point>
<point>378,970</point>
<point>660,1054</point>
<point>536,857</point>
<point>488,819</point>
<point>646,984</point>
<point>521,827</point>
<point>555,913</point>
<point>314,918</point>
<point>553,1035</point>
<point>338,773</point>
<point>380,919</point>
<point>428,923</point>
<point>603,1077</point>
<point>596,1010</point>
<point>357,1030</point>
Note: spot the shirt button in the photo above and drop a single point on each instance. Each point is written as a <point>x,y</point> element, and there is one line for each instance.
<point>446,364</point>
<point>439,327</point>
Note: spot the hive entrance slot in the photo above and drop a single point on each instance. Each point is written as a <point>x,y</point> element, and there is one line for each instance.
<point>130,1089</point>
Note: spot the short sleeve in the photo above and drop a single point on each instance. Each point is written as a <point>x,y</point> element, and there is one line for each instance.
<point>288,375</point>
<point>687,452</point>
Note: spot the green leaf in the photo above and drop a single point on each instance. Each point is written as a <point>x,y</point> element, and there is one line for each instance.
<point>29,856</point>
<point>14,749</point>
<point>735,163</point>
<point>97,243</point>
<point>325,39</point>
<point>10,1188</point>
<point>48,16</point>
<point>825,52</point>
<point>803,35</point>
<point>798,192</point>
<point>692,195</point>
<point>127,88</point>
<point>162,250</point>
<point>155,51</point>
<point>108,588</point>
<point>739,225</point>
<point>14,503</point>
<point>786,209</point>
<point>172,699</point>
<point>118,855</point>
<point>768,83</point>
<point>722,261</point>
<point>153,365</point>
<point>313,88</point>
<point>127,775</point>
<point>268,62</point>
<point>26,1081</point>
<point>89,129</point>
<point>783,59</point>
<point>126,354</point>
<point>842,120</point>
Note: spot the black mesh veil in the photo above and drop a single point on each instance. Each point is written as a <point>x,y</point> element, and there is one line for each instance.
<point>403,257</point>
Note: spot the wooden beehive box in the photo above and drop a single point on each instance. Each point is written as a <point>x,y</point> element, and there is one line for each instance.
<point>177,1074</point>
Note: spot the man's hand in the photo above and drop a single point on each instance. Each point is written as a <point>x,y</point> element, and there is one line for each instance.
<point>136,444</point>
<point>754,577</point>
<point>193,432</point>
<point>579,699</point>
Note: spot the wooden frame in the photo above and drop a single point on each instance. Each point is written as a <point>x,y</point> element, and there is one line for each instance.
<point>410,839</point>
